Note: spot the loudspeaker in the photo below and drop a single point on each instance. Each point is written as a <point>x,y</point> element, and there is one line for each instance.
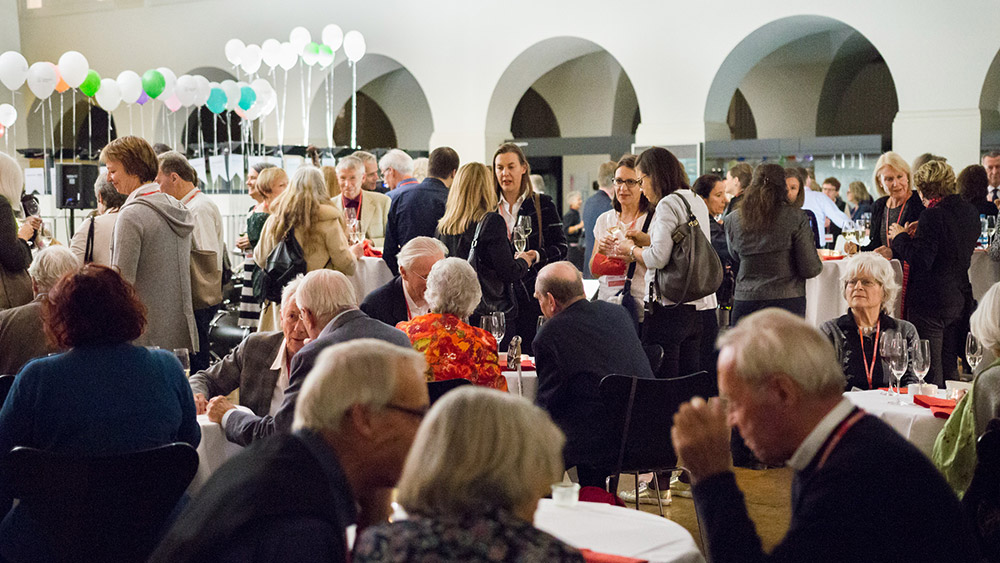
<point>75,186</point>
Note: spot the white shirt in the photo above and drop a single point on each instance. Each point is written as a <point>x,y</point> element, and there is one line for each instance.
<point>991,193</point>
<point>823,207</point>
<point>411,306</point>
<point>509,211</point>
<point>611,285</point>
<point>280,385</point>
<point>207,233</point>
<point>809,447</point>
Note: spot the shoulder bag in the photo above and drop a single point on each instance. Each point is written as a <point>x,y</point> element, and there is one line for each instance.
<point>694,270</point>
<point>497,295</point>
<point>284,263</point>
<point>624,295</point>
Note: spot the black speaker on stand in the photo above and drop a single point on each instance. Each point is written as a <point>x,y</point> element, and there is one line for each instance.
<point>75,188</point>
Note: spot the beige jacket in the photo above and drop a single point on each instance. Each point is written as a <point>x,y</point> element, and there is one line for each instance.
<point>324,246</point>
<point>374,215</point>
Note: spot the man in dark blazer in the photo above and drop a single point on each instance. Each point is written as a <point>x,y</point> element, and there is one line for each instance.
<point>402,298</point>
<point>855,477</point>
<point>416,210</point>
<point>291,497</point>
<point>330,314</point>
<point>581,342</point>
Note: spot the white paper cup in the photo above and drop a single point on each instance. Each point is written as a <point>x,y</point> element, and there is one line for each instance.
<point>565,494</point>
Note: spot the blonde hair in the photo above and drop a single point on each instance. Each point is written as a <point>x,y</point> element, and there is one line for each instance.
<point>985,321</point>
<point>935,179</point>
<point>875,265</point>
<point>859,191</point>
<point>11,181</point>
<point>296,207</point>
<point>471,196</point>
<point>507,458</point>
<point>893,160</point>
<point>330,177</point>
<point>267,178</point>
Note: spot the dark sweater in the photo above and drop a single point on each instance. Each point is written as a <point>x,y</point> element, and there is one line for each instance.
<point>911,212</point>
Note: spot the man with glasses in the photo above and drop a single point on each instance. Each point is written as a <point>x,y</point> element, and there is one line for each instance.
<point>292,497</point>
<point>402,298</point>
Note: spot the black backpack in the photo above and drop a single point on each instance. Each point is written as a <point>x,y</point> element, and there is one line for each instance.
<point>284,263</point>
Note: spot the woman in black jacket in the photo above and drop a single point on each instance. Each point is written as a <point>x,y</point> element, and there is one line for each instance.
<point>901,207</point>
<point>517,200</point>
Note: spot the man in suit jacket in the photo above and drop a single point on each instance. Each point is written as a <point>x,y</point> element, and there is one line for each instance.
<point>581,342</point>
<point>258,367</point>
<point>291,497</point>
<point>329,311</point>
<point>416,210</point>
<point>780,384</point>
<point>402,298</point>
<point>371,208</point>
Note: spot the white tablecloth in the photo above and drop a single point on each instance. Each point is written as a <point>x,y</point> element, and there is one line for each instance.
<point>213,451</point>
<point>370,274</point>
<point>913,422</point>
<point>983,273</point>
<point>529,384</point>
<point>618,531</point>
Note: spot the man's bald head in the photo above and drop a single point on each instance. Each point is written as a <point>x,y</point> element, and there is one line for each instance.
<point>558,286</point>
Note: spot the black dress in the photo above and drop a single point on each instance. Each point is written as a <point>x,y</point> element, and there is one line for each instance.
<point>575,254</point>
<point>552,247</point>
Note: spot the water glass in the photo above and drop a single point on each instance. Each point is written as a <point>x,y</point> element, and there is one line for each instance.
<point>973,351</point>
<point>898,365</point>
<point>920,359</point>
<point>886,351</point>
<point>184,358</point>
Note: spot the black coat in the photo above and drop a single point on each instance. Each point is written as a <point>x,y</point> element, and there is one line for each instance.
<point>911,212</point>
<point>414,212</point>
<point>387,303</point>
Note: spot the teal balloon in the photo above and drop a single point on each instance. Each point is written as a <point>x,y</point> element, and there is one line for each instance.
<point>153,83</point>
<point>216,101</point>
<point>91,83</point>
<point>247,98</point>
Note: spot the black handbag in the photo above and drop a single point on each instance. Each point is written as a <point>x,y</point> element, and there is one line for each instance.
<point>497,295</point>
<point>627,299</point>
<point>694,270</point>
<point>284,263</point>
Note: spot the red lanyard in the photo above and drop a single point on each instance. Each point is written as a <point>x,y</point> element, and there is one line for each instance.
<point>899,220</point>
<point>869,369</point>
<point>842,429</point>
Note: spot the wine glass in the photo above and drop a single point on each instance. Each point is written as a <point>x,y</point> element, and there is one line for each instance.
<point>499,326</point>
<point>973,351</point>
<point>490,324</point>
<point>541,321</point>
<point>520,240</point>
<point>184,358</point>
<point>920,358</point>
<point>863,226</point>
<point>45,233</point>
<point>886,352</point>
<point>850,232</point>
<point>898,364</point>
<point>524,223</point>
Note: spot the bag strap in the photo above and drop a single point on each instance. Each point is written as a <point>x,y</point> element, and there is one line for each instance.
<point>473,258</point>
<point>538,218</point>
<point>88,254</point>
<point>631,267</point>
<point>654,288</point>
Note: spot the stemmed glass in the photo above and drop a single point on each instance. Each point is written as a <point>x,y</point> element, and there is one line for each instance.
<point>973,351</point>
<point>899,363</point>
<point>524,225</point>
<point>920,359</point>
<point>520,239</point>
<point>184,358</point>
<point>886,351</point>
<point>496,324</point>
<point>351,214</point>
<point>850,232</point>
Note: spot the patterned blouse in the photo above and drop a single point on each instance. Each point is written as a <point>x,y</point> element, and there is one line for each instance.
<point>455,349</point>
<point>497,536</point>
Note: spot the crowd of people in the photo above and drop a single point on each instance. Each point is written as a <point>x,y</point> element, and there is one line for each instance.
<point>333,403</point>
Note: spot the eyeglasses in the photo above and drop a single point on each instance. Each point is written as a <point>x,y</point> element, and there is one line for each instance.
<point>865,283</point>
<point>619,182</point>
<point>641,179</point>
<point>419,413</point>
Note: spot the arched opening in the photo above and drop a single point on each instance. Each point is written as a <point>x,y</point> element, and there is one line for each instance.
<point>989,108</point>
<point>374,127</point>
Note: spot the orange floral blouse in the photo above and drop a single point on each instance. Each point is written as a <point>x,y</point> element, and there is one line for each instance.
<point>455,349</point>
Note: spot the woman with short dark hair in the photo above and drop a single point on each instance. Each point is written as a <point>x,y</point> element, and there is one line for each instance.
<point>973,185</point>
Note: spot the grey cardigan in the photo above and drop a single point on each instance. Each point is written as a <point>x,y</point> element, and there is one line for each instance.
<point>774,264</point>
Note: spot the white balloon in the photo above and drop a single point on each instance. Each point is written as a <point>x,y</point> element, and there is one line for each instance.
<point>325,59</point>
<point>169,83</point>
<point>42,79</point>
<point>204,90</point>
<point>299,38</point>
<point>271,52</point>
<point>254,112</point>
<point>8,115</point>
<point>289,56</point>
<point>186,90</point>
<point>333,36</point>
<point>354,45</point>
<point>234,50</point>
<point>250,63</point>
<point>263,90</point>
<point>73,68</point>
<point>109,95</point>
<point>269,107</point>
<point>309,58</point>
<point>130,86</point>
<point>13,70</point>
<point>232,90</point>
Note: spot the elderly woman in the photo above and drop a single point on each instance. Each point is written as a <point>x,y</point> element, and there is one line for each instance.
<point>454,349</point>
<point>860,200</point>
<point>471,490</point>
<point>92,241</point>
<point>870,289</point>
<point>15,254</point>
<point>939,252</point>
<point>901,207</point>
<point>104,396</point>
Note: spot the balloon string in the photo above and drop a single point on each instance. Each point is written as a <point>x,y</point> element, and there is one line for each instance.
<point>309,87</point>
<point>75,130</point>
<point>302,97</point>
<point>90,132</point>
<point>62,118</point>
<point>13,102</point>
<point>130,120</point>
<point>284,117</point>
<point>52,129</point>
<point>354,105</point>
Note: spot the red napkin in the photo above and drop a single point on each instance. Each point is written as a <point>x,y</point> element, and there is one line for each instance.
<point>827,258</point>
<point>597,494</point>
<point>526,364</point>
<point>369,251</point>
<point>902,390</point>
<point>595,557</point>
<point>940,408</point>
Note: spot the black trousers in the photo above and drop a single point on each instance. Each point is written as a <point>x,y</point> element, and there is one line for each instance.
<point>678,331</point>
<point>946,333</point>
<point>202,319</point>
<point>796,305</point>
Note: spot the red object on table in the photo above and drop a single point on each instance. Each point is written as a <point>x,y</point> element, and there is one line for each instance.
<point>526,365</point>
<point>597,494</point>
<point>941,408</point>
<point>596,557</point>
<point>902,390</point>
<point>369,251</point>
<point>828,258</point>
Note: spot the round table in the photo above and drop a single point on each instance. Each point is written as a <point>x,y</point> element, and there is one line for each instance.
<point>213,450</point>
<point>915,423</point>
<point>529,384</point>
<point>370,273</point>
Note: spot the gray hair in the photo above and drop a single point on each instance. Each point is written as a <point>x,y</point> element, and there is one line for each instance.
<point>325,293</point>
<point>262,166</point>
<point>288,292</point>
<point>105,191</point>
<point>453,288</point>
<point>985,321</point>
<point>875,265</point>
<point>11,181</point>
<point>51,264</point>
<point>351,162</point>
<point>363,371</point>
<point>398,161</point>
<point>775,341</point>
<point>365,156</point>
<point>420,168</point>
<point>419,247</point>
<point>509,457</point>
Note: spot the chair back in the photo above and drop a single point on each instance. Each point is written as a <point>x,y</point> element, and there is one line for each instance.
<point>654,352</point>
<point>640,414</point>
<point>982,499</point>
<point>107,508</point>
<point>6,381</point>
<point>438,388</point>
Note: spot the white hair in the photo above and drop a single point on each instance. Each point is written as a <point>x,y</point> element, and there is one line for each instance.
<point>875,265</point>
<point>288,292</point>
<point>398,161</point>
<point>420,168</point>
<point>351,162</point>
<point>775,341</point>
<point>51,264</point>
<point>453,288</point>
<point>419,247</point>
<point>325,293</point>
<point>537,183</point>
<point>11,181</point>
<point>985,321</point>
<point>363,371</point>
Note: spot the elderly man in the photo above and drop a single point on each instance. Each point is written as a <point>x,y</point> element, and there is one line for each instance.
<point>402,298</point>
<point>371,208</point>
<point>397,171</point>
<point>371,183</point>
<point>416,211</point>
<point>22,334</point>
<point>291,498</point>
<point>330,314</point>
<point>258,367</point>
<point>178,179</point>
<point>991,162</point>
<point>855,477</point>
<point>580,343</point>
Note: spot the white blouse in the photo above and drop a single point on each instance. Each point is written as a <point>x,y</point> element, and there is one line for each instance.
<point>611,285</point>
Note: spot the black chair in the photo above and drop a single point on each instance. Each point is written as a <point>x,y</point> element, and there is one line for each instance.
<point>107,508</point>
<point>225,333</point>
<point>655,354</point>
<point>641,412</point>
<point>5,383</point>
<point>438,388</point>
<point>982,499</point>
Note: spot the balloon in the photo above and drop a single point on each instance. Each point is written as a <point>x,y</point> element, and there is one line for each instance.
<point>289,56</point>
<point>216,100</point>
<point>250,63</point>
<point>13,70</point>
<point>354,45</point>
<point>153,83</point>
<point>232,91</point>
<point>186,90</point>
<point>271,52</point>
<point>234,51</point>
<point>42,79</point>
<point>204,90</point>
<point>299,37</point>
<point>169,82</point>
<point>310,54</point>
<point>254,112</point>
<point>242,114</point>
<point>172,103</point>
<point>143,98</point>
<point>333,36</point>
<point>3,130</point>
<point>90,84</point>
<point>129,86</point>
<point>247,97</point>
<point>8,115</point>
<point>270,105</point>
<point>108,95</point>
<point>73,68</point>
<point>262,88</point>
<point>61,86</point>
<point>325,56</point>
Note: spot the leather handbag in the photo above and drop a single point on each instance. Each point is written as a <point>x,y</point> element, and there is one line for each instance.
<point>497,295</point>
<point>694,270</point>
<point>284,263</point>
<point>206,280</point>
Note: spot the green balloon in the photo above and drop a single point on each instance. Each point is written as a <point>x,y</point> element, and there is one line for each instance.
<point>326,49</point>
<point>312,49</point>
<point>153,83</point>
<point>91,84</point>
